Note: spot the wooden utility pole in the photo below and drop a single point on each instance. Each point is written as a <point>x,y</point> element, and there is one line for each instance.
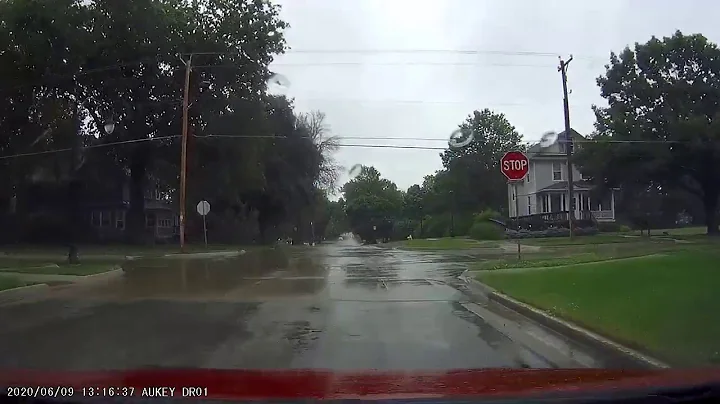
<point>568,144</point>
<point>183,153</point>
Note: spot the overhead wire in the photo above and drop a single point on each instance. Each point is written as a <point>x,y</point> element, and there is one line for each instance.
<point>95,146</point>
<point>478,52</point>
<point>156,58</point>
<point>358,145</point>
<point>330,63</point>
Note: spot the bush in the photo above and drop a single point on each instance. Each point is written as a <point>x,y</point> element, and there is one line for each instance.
<point>486,231</point>
<point>437,226</point>
<point>402,229</point>
<point>463,223</point>
<point>551,232</point>
<point>486,215</point>
<point>608,227</point>
<point>625,229</point>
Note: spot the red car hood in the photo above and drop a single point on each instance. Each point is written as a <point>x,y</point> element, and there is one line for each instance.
<point>251,385</point>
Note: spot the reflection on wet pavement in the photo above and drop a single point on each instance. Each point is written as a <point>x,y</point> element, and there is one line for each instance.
<point>338,306</point>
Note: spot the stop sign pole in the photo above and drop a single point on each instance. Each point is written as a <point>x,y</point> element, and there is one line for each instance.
<point>515,166</point>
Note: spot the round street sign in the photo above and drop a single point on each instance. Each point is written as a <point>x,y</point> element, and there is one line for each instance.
<point>515,165</point>
<point>203,208</point>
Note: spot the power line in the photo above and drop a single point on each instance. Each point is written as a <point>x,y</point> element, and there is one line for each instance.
<point>339,138</point>
<point>375,146</point>
<point>415,138</point>
<point>95,146</point>
<point>156,58</point>
<point>372,63</point>
<point>431,102</point>
<point>432,51</point>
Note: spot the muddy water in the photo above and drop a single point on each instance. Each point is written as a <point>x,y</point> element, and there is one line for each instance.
<point>333,306</point>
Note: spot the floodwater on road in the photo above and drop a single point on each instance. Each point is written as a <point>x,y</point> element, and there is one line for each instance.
<point>333,306</point>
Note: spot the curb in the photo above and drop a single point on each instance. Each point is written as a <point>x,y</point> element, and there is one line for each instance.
<point>210,254</point>
<point>23,292</point>
<point>101,276</point>
<point>566,328</point>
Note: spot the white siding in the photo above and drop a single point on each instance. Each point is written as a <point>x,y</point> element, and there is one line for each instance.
<point>540,175</point>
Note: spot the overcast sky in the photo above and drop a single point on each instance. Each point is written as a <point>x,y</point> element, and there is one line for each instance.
<point>415,69</point>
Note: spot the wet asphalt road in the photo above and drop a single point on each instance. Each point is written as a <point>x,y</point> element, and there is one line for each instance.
<point>336,306</point>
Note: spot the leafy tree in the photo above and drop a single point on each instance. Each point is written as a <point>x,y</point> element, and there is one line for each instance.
<point>662,125</point>
<point>473,172</point>
<point>338,221</point>
<point>251,155</point>
<point>413,204</point>
<point>371,203</point>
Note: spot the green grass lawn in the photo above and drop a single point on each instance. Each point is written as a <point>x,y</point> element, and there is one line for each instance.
<point>9,282</point>
<point>60,252</point>
<point>90,268</point>
<point>682,231</point>
<point>552,256</point>
<point>547,261</point>
<point>446,243</point>
<point>13,262</point>
<point>581,240</point>
<point>665,305</point>
<point>32,266</point>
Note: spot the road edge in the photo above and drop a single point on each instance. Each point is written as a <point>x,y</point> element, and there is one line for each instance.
<point>564,327</point>
<point>41,291</point>
<point>23,292</point>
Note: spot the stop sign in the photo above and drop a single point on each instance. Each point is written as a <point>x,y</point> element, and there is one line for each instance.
<point>515,165</point>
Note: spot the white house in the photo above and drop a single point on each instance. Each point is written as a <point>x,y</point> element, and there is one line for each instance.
<point>544,189</point>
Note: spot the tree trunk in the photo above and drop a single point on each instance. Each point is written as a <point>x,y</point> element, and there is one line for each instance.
<point>710,201</point>
<point>262,228</point>
<point>74,216</point>
<point>136,214</point>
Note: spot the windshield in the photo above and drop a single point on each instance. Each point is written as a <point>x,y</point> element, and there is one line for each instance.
<point>358,186</point>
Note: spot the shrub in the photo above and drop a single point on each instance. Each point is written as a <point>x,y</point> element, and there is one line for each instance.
<point>437,226</point>
<point>486,215</point>
<point>608,227</point>
<point>625,229</point>
<point>463,223</point>
<point>486,231</point>
<point>403,228</point>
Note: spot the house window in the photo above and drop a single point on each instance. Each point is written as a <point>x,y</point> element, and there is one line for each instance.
<point>557,171</point>
<point>95,218</point>
<point>545,203</point>
<point>528,177</point>
<point>150,220</point>
<point>165,223</point>
<point>120,219</point>
<point>529,206</point>
<point>105,218</point>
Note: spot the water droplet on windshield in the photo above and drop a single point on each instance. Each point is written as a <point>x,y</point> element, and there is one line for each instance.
<point>355,170</point>
<point>277,84</point>
<point>460,138</point>
<point>548,138</point>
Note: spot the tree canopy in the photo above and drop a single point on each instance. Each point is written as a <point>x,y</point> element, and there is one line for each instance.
<point>71,66</point>
<point>661,128</point>
<point>470,183</point>
<point>473,172</point>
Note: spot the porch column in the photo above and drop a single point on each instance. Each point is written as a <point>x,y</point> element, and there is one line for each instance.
<point>612,203</point>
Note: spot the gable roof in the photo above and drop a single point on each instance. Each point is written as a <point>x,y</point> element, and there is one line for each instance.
<point>537,149</point>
